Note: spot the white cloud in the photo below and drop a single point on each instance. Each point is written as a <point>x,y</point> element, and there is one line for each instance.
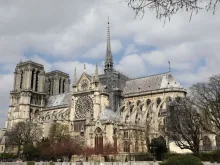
<point>99,51</point>
<point>6,83</point>
<point>76,30</point>
<point>132,65</point>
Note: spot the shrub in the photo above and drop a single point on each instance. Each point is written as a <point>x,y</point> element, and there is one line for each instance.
<point>183,160</point>
<point>51,163</point>
<point>30,163</point>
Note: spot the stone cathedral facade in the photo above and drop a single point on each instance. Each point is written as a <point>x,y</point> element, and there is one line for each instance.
<point>101,108</point>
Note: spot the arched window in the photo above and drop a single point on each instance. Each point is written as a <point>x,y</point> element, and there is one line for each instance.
<point>64,85</point>
<point>126,146</point>
<point>32,79</point>
<point>131,109</point>
<point>137,119</point>
<point>178,99</point>
<point>207,144</point>
<point>128,103</point>
<point>36,113</point>
<point>168,99</point>
<point>98,141</point>
<point>37,78</point>
<point>60,85</point>
<point>21,80</point>
<point>49,86</point>
<point>148,102</point>
<point>158,101</point>
<point>138,102</point>
<point>126,134</point>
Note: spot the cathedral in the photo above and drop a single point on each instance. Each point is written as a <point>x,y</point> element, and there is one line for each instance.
<point>101,108</point>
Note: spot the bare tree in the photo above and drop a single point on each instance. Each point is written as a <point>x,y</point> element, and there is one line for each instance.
<point>23,133</point>
<point>184,125</point>
<point>167,8</point>
<point>207,99</point>
<point>60,143</point>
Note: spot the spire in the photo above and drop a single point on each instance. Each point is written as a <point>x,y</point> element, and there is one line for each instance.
<point>96,74</point>
<point>75,78</point>
<point>108,57</point>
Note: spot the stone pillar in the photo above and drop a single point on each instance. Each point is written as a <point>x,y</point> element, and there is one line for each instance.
<point>18,80</point>
<point>34,80</point>
<point>29,72</point>
<point>15,80</point>
<point>51,86</point>
<point>66,86</point>
<point>56,86</point>
<point>25,78</point>
<point>40,82</point>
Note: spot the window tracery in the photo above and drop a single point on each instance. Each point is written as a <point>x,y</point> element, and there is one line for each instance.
<point>84,105</point>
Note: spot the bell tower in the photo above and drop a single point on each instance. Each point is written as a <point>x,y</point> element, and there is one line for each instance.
<point>27,97</point>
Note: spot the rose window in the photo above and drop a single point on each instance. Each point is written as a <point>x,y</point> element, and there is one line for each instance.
<point>84,106</point>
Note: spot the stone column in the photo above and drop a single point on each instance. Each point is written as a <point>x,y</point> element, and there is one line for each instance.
<point>56,85</point>
<point>61,86</point>
<point>51,86</point>
<point>24,79</point>
<point>18,80</point>
<point>66,86</point>
<point>29,72</point>
<point>15,81</point>
<point>34,80</point>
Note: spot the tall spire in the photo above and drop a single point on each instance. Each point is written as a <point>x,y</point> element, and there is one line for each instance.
<point>108,57</point>
<point>75,78</point>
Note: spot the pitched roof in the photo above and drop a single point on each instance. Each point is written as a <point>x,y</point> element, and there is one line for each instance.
<point>151,83</point>
<point>58,100</point>
<point>109,115</point>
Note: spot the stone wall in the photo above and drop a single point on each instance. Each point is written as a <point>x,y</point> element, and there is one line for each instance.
<point>94,163</point>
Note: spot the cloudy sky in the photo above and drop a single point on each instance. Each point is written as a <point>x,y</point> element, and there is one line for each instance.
<point>68,34</point>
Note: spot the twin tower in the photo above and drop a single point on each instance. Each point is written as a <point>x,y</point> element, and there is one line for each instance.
<point>31,88</point>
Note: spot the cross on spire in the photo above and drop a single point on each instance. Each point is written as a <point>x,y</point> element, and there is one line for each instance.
<point>108,57</point>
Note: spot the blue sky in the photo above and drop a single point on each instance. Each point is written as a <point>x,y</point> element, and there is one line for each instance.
<point>69,35</point>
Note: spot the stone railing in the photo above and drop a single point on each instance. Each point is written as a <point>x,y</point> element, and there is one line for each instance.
<point>94,163</point>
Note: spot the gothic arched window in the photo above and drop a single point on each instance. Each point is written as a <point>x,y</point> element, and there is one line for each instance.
<point>148,102</point>
<point>84,85</point>
<point>98,141</point>
<point>64,85</point>
<point>21,80</point>
<point>158,101</point>
<point>60,86</point>
<point>126,146</point>
<point>37,78</point>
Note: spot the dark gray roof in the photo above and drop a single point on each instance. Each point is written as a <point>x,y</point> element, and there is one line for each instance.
<point>150,83</point>
<point>109,115</point>
<point>59,100</point>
